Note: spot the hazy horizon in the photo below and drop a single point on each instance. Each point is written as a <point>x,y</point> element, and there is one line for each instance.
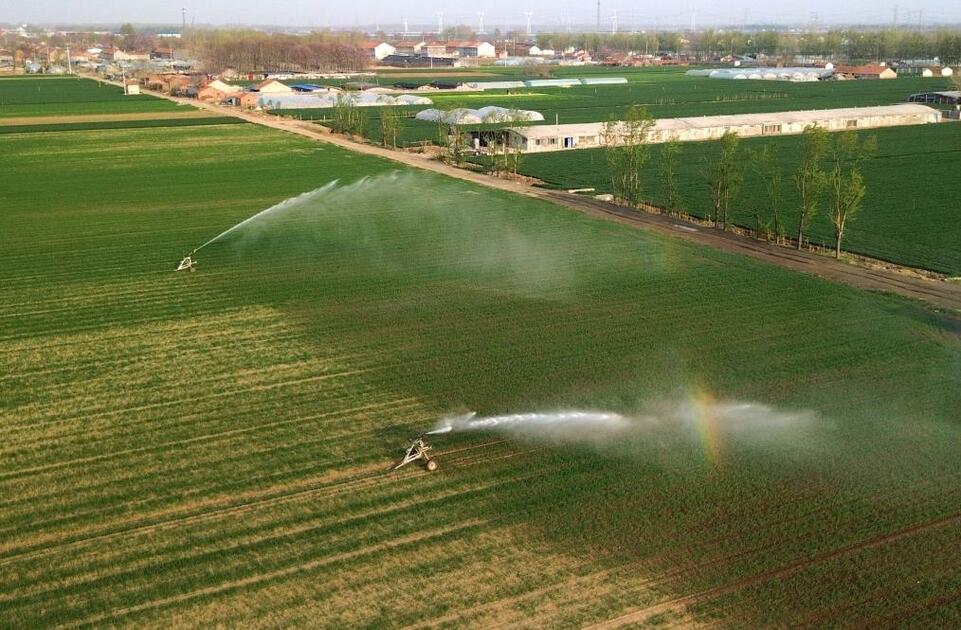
<point>497,13</point>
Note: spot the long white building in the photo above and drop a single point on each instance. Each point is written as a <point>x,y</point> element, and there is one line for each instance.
<point>536,138</point>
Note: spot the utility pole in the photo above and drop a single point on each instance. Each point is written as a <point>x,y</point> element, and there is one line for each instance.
<point>895,16</point>
<point>598,27</point>
<point>528,15</point>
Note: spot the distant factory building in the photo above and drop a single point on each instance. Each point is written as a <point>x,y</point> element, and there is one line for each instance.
<point>537,138</point>
<point>870,71</point>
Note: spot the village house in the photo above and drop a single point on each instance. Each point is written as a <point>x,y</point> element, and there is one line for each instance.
<point>217,92</point>
<point>377,50</point>
<point>434,49</point>
<point>472,49</point>
<point>870,71</point>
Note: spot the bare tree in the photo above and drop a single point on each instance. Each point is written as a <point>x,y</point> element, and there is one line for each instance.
<point>670,158</point>
<point>627,151</point>
<point>810,177</point>
<point>725,179</point>
<point>846,181</point>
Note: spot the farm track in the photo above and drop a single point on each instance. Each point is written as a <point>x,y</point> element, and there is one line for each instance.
<point>57,120</point>
<point>937,293</point>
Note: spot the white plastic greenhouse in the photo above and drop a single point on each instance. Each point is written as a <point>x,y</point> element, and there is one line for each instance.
<point>489,114</point>
<point>319,101</point>
<point>765,74</point>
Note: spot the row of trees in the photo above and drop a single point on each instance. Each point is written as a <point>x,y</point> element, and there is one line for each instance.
<point>256,51</point>
<point>829,174</point>
<point>859,45</point>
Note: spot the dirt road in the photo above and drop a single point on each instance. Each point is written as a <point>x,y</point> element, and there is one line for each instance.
<point>939,293</point>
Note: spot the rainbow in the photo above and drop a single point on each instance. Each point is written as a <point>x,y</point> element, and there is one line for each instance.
<point>707,427</point>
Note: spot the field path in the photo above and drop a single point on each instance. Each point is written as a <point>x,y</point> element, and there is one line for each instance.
<point>91,118</point>
<point>937,292</point>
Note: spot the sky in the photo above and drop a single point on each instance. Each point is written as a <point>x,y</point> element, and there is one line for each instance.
<point>546,14</point>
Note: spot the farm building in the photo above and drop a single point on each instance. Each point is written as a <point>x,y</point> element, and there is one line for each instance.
<point>538,138</point>
<point>409,46</point>
<point>434,49</point>
<point>377,50</point>
<point>937,98</point>
<point>272,86</point>
<point>404,60</point>
<point>871,71</point>
<point>217,92</point>
<point>472,49</point>
<point>307,87</point>
<point>928,73</point>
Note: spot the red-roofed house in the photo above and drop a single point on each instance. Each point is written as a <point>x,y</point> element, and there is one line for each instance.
<point>870,71</point>
<point>217,92</point>
<point>377,50</point>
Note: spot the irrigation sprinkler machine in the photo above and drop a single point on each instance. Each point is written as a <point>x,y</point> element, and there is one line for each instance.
<point>419,450</point>
<point>188,263</point>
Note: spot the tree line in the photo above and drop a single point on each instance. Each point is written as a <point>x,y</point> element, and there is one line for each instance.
<point>850,44</point>
<point>256,51</point>
<point>829,176</point>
